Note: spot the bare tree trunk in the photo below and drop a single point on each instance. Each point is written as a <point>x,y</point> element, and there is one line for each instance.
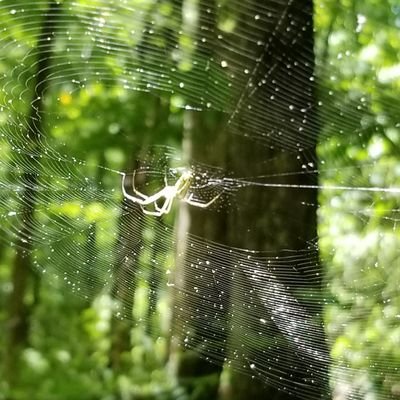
<point>19,311</point>
<point>275,219</point>
<point>204,141</point>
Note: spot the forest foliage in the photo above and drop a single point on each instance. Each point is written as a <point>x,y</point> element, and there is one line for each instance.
<point>78,344</point>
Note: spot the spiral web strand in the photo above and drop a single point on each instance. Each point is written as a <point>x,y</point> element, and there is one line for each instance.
<point>132,47</point>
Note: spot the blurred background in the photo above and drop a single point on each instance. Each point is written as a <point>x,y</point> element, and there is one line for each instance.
<point>286,114</point>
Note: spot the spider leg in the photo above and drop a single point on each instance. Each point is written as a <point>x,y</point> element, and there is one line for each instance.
<point>139,200</point>
<point>140,194</point>
<point>158,208</point>
<point>168,193</point>
<point>169,206</point>
<point>154,213</point>
<point>145,200</point>
<point>201,205</point>
<point>164,209</point>
<point>158,211</point>
<point>128,196</point>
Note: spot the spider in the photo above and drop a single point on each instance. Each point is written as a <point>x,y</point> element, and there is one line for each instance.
<point>180,191</point>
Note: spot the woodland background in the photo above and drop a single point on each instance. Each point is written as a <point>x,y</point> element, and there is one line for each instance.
<point>56,344</point>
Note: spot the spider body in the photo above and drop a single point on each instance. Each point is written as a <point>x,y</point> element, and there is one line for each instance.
<point>179,190</point>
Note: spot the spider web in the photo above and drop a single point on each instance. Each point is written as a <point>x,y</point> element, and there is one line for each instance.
<point>227,58</point>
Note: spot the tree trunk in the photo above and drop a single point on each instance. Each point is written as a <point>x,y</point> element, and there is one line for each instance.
<point>204,141</point>
<point>19,311</point>
<point>274,219</point>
